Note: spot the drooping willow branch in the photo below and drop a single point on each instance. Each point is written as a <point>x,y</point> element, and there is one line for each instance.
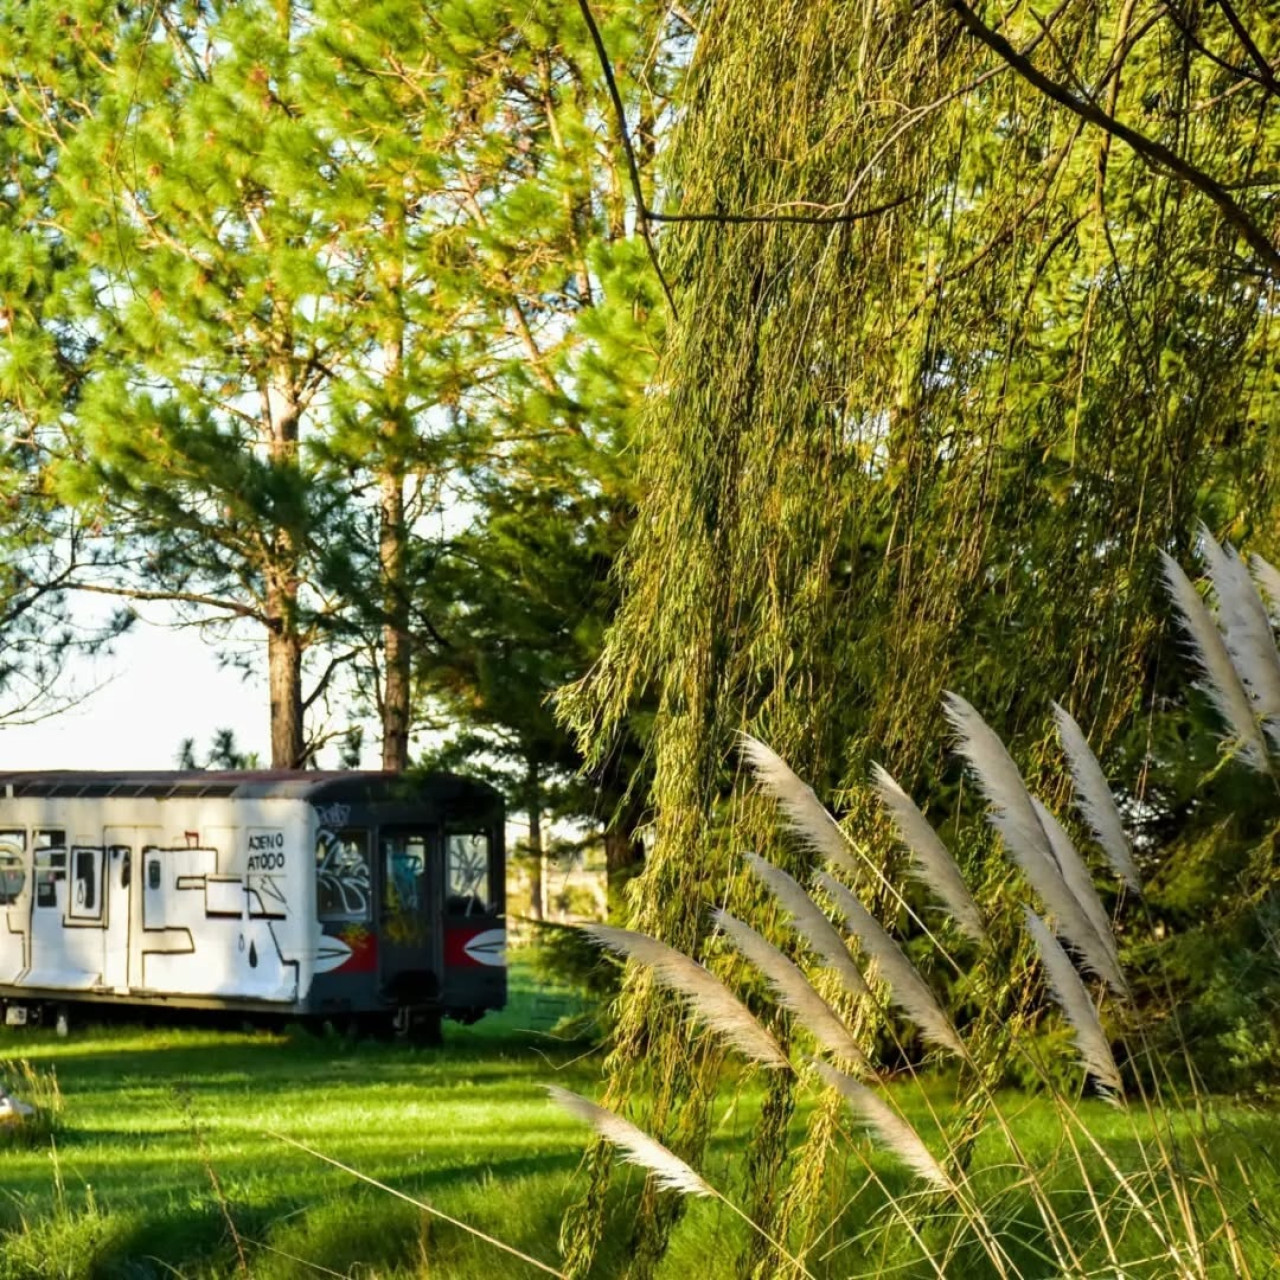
<point>645,215</point>
<point>1154,153</point>
<point>801,219</point>
<point>642,213</point>
<point>1266,73</point>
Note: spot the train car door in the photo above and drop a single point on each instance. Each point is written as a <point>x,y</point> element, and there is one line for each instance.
<point>409,909</point>
<point>15,903</point>
<point>124,903</point>
<point>120,845</point>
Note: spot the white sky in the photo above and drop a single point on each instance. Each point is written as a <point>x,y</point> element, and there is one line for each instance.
<point>160,686</point>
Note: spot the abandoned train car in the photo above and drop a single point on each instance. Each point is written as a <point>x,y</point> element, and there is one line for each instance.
<point>363,897</point>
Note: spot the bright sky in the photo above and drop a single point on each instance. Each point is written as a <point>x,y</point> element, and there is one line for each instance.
<point>160,686</point>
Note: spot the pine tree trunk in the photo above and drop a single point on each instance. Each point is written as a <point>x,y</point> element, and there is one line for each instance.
<point>284,643</point>
<point>623,856</point>
<point>395,630</point>
<point>537,880</point>
<point>284,667</point>
<point>392,533</point>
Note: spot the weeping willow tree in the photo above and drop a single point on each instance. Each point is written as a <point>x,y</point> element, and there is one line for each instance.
<point>975,312</point>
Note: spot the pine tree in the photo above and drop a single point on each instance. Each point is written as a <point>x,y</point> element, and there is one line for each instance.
<point>200,208</point>
<point>508,320</point>
<point>44,547</point>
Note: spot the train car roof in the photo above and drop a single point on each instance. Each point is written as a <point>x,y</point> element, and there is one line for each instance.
<point>256,784</point>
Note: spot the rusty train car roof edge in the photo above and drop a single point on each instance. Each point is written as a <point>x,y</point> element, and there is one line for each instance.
<point>314,785</point>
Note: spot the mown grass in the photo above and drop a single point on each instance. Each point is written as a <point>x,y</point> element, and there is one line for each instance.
<point>163,1161</point>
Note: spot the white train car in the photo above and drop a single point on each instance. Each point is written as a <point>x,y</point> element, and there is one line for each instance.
<point>324,895</point>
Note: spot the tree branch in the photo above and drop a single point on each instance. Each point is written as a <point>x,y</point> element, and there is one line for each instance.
<point>646,215</point>
<point>642,212</point>
<point>1154,153</point>
<point>178,597</point>
<point>1266,74</point>
<point>801,219</point>
<point>326,676</point>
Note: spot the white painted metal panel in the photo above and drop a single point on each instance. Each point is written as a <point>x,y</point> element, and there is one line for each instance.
<point>197,896</point>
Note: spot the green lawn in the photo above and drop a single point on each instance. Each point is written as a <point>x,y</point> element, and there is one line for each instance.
<point>152,1117</point>
<point>166,1144</point>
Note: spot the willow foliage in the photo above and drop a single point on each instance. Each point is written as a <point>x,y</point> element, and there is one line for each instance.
<point>933,447</point>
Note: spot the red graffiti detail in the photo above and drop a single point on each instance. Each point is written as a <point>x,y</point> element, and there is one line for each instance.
<point>456,938</point>
<point>364,949</point>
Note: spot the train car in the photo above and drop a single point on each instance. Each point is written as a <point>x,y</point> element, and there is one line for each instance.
<point>363,898</point>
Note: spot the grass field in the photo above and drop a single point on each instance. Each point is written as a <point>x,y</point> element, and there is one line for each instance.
<point>165,1163</point>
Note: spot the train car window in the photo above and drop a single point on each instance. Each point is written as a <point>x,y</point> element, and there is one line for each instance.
<point>13,871</point>
<point>404,859</point>
<point>51,870</point>
<point>86,864</point>
<point>342,875</point>
<point>467,873</point>
<point>50,839</point>
<point>124,854</point>
<point>153,873</point>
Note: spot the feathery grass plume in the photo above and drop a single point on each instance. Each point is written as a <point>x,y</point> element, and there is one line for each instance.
<point>791,987</point>
<point>1246,626</point>
<point>1249,638</point>
<point>1223,685</point>
<point>894,1131</point>
<point>1267,576</point>
<point>669,1171</point>
<point>1094,801</point>
<point>708,999</point>
<point>1073,922</point>
<point>806,814</point>
<point>808,921</point>
<point>1078,880</point>
<point>907,988</point>
<point>1013,815</point>
<point>932,865</point>
<point>1073,999</point>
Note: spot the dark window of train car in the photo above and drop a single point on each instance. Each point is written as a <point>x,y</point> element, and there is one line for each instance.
<point>51,868</point>
<point>467,873</point>
<point>50,839</point>
<point>153,873</point>
<point>13,872</point>
<point>85,867</point>
<point>342,875</point>
<point>404,862</point>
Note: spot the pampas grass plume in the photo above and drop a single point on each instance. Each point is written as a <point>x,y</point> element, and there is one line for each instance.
<point>818,933</point>
<point>669,1171</point>
<point>1223,684</point>
<point>1079,883</point>
<point>806,814</point>
<point>894,1132</point>
<point>791,987</point>
<point>907,988</point>
<point>932,865</point>
<point>708,998</point>
<point>1094,801</point>
<point>1073,999</point>
<point>1267,576</point>
<point>1249,638</point>
<point>1013,814</point>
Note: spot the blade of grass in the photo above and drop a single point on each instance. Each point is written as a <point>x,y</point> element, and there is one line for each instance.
<point>426,1208</point>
